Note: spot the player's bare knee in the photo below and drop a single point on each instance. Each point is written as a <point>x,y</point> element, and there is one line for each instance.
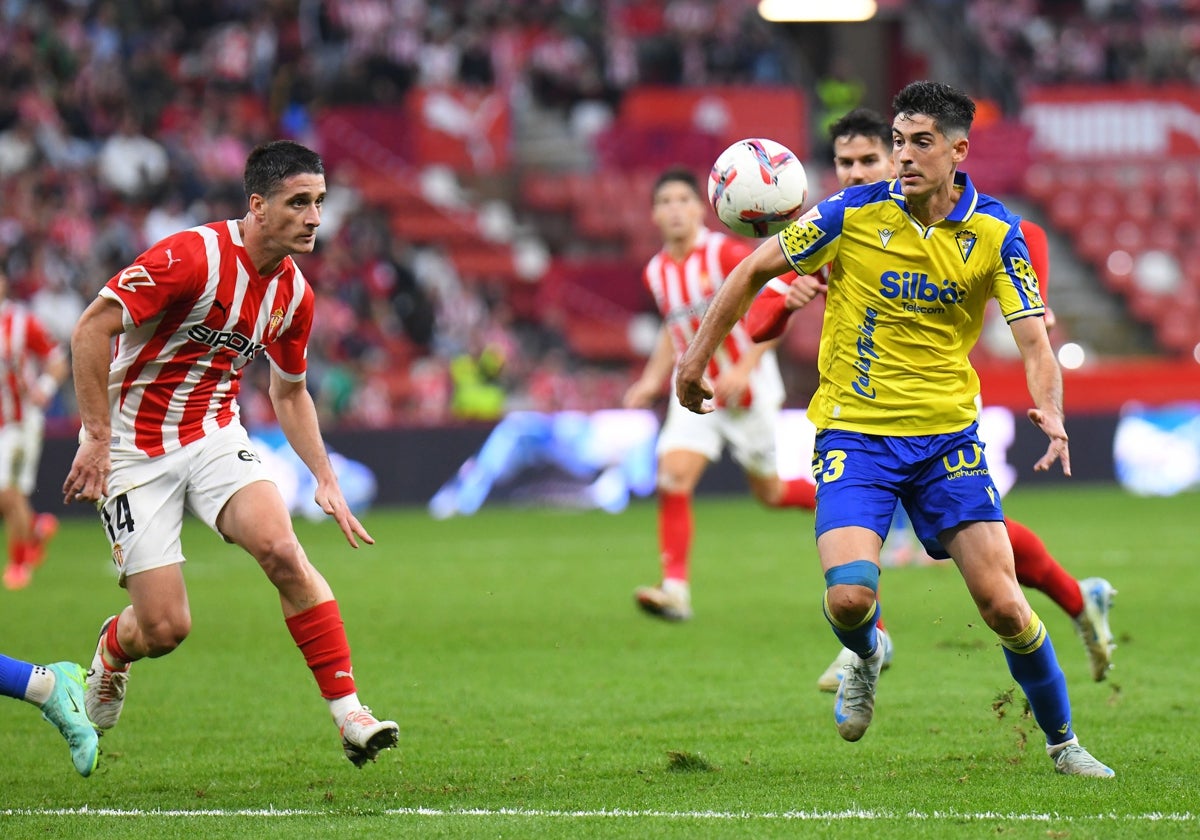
<point>849,604</point>
<point>283,561</point>
<point>1006,616</point>
<point>162,637</point>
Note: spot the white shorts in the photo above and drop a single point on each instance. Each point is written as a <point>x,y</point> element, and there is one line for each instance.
<point>143,513</point>
<point>749,433</point>
<point>20,452</point>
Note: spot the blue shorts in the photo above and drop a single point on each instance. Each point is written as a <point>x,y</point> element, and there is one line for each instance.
<point>941,480</point>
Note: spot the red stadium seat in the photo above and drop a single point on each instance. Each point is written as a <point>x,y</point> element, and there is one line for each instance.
<point>546,192</point>
<point>1040,182</point>
<point>1066,210</point>
<point>1094,243</point>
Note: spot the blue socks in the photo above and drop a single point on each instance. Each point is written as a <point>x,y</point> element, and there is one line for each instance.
<point>14,677</point>
<point>1032,663</point>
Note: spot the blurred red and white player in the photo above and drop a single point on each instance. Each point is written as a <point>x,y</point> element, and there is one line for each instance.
<point>862,155</point>
<point>161,413</point>
<point>683,277</point>
<point>32,367</point>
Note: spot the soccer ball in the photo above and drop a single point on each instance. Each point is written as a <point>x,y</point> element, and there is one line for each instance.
<point>758,187</point>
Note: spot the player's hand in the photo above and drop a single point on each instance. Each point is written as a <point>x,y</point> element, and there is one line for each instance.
<point>802,290</point>
<point>88,479</point>
<point>694,392</point>
<point>1058,450</point>
<point>640,394</point>
<point>731,386</point>
<point>1050,318</point>
<point>330,499</point>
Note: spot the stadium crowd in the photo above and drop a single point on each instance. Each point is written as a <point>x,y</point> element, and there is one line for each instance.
<point>121,122</point>
<point>1042,42</point>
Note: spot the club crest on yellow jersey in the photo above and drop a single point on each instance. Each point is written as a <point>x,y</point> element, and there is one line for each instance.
<point>965,240</point>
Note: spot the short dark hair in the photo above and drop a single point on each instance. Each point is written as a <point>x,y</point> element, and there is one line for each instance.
<point>677,175</point>
<point>862,122</point>
<point>272,163</point>
<point>951,109</point>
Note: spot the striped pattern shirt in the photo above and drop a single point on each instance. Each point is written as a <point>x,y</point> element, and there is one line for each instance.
<point>23,339</point>
<point>196,313</point>
<point>683,291</point>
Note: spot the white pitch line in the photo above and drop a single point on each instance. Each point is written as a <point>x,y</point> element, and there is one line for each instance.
<point>613,813</point>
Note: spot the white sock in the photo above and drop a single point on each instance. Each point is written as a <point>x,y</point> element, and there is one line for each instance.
<point>342,706</point>
<point>676,588</point>
<point>41,683</point>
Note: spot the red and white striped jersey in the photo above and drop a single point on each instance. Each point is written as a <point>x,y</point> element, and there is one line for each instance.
<point>683,291</point>
<point>196,312</point>
<point>22,339</point>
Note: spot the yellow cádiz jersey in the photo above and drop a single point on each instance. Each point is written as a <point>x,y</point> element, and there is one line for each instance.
<point>906,303</point>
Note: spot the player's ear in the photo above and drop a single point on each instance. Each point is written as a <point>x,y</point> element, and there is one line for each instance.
<point>959,148</point>
<point>258,207</point>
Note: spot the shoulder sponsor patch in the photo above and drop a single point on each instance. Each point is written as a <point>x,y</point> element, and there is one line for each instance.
<point>799,237</point>
<point>132,277</point>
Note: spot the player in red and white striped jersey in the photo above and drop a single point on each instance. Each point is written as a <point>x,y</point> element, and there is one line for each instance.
<point>32,367</point>
<point>161,431</point>
<point>683,277</point>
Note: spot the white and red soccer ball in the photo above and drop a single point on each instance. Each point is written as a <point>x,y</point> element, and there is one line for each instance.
<point>757,187</point>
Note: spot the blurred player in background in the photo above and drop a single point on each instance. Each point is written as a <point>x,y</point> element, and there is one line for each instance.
<point>58,691</point>
<point>862,142</point>
<point>162,414</point>
<point>32,367</point>
<point>914,262</point>
<point>605,455</point>
<point>682,278</point>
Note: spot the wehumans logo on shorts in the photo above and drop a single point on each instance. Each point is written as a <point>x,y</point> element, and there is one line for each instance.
<point>962,464</point>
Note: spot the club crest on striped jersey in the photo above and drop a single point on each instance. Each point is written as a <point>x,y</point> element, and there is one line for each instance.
<point>132,277</point>
<point>274,324</point>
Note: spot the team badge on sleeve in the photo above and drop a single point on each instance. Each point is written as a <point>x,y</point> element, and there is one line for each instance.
<point>132,277</point>
<point>1024,273</point>
<point>801,236</point>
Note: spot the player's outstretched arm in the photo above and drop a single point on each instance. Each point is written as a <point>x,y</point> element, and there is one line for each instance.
<point>731,302</point>
<point>91,354</point>
<point>649,386</point>
<point>1044,379</point>
<point>768,315</point>
<point>297,416</point>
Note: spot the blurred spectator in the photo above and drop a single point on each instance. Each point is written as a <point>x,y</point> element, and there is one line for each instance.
<point>130,162</point>
<point>123,122</point>
<point>1047,42</point>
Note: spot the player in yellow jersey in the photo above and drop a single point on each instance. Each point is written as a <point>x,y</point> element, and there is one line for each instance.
<point>914,262</point>
<point>861,143</point>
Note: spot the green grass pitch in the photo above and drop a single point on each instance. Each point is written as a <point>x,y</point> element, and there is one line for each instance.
<point>535,701</point>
